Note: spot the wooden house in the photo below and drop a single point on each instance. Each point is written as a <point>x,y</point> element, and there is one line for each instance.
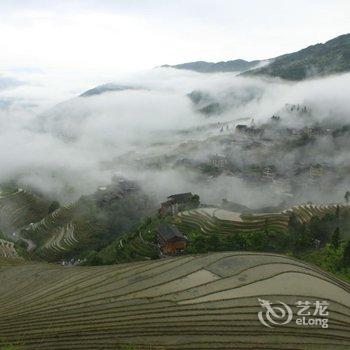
<point>177,202</point>
<point>219,161</point>
<point>316,171</point>
<point>250,131</point>
<point>269,173</point>
<point>171,241</point>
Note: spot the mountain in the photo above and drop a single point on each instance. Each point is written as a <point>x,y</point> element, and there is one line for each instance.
<point>316,60</point>
<point>101,89</point>
<point>210,104</point>
<point>211,67</point>
<point>209,301</point>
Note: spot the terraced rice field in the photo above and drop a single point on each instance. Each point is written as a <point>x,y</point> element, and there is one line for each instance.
<point>306,212</point>
<point>135,246</point>
<point>7,249</point>
<point>62,239</point>
<point>49,236</point>
<point>214,220</point>
<point>57,218</point>
<point>20,208</point>
<point>58,230</point>
<point>189,302</point>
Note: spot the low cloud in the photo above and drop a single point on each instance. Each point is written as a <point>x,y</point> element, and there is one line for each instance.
<point>70,149</point>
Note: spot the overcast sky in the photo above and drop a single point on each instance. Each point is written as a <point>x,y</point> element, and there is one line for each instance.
<point>129,35</point>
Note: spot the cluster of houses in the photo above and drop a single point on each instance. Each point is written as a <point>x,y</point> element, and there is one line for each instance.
<point>179,202</point>
<point>219,161</point>
<point>283,182</point>
<point>309,131</point>
<point>296,108</point>
<point>270,172</point>
<point>312,171</point>
<point>71,262</point>
<point>255,132</point>
<point>171,241</point>
<point>250,131</point>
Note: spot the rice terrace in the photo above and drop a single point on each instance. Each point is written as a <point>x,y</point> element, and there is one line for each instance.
<point>191,302</point>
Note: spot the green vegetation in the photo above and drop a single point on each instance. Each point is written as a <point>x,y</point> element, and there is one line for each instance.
<point>9,346</point>
<point>209,169</point>
<point>139,244</point>
<point>260,233</point>
<point>21,249</point>
<point>19,208</point>
<point>251,241</point>
<point>317,60</point>
<point>329,258</point>
<point>106,228</point>
<point>53,206</point>
<point>75,230</point>
<point>308,232</point>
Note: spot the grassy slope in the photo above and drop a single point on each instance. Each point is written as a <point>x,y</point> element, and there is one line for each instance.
<point>189,302</point>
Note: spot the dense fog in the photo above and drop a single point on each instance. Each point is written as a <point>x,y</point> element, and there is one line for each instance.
<point>66,145</point>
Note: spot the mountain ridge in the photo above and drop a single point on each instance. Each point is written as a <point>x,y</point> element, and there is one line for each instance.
<point>237,65</point>
<point>319,59</point>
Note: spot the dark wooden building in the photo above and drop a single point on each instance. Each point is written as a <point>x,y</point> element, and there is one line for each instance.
<point>177,202</point>
<point>170,239</point>
<point>249,130</point>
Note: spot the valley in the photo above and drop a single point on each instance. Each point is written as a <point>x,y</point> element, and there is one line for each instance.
<point>195,206</point>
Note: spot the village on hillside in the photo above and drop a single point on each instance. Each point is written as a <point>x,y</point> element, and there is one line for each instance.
<point>121,222</point>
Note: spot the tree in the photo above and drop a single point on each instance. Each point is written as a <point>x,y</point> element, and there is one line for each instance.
<point>241,241</point>
<point>294,223</point>
<point>53,206</point>
<point>214,242</point>
<point>347,197</point>
<point>93,259</point>
<point>346,254</point>
<point>195,201</point>
<point>336,238</point>
<point>266,226</point>
<point>199,244</point>
<point>322,228</point>
<point>337,212</point>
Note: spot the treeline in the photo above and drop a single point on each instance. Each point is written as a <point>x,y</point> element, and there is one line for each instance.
<point>323,241</point>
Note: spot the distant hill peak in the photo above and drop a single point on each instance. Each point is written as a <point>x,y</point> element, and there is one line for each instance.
<point>238,65</point>
<point>109,87</point>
